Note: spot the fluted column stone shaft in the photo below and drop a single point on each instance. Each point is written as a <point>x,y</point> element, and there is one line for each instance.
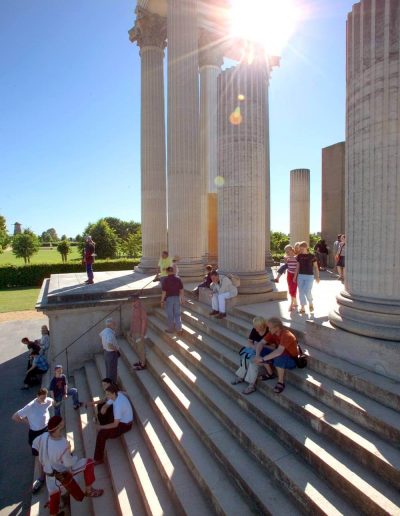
<point>370,304</point>
<point>184,180</point>
<point>242,164</point>
<point>299,205</point>
<point>210,61</point>
<point>150,34</point>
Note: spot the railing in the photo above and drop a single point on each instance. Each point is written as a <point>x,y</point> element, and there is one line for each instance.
<point>65,350</point>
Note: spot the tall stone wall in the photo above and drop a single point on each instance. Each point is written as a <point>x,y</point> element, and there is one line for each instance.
<point>333,195</point>
<point>299,205</point>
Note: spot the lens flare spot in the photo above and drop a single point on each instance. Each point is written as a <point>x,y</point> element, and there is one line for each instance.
<point>219,181</point>
<point>240,96</point>
<point>235,118</point>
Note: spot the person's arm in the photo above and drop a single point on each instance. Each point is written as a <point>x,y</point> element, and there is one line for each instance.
<point>316,271</point>
<point>296,272</point>
<point>181,296</point>
<point>114,424</point>
<point>276,353</point>
<point>18,419</point>
<point>163,295</point>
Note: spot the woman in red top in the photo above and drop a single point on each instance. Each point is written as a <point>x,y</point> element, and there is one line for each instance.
<point>281,357</point>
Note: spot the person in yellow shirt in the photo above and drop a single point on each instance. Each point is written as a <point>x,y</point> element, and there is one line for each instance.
<point>164,262</point>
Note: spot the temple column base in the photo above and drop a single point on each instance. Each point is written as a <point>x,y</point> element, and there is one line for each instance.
<point>191,270</point>
<point>147,265</point>
<point>252,282</point>
<point>374,318</point>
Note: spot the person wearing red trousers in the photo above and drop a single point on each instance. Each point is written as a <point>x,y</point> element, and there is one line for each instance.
<point>88,258</point>
<point>61,465</point>
<point>123,417</point>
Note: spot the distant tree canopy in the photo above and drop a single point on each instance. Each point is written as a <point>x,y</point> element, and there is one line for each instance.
<point>64,248</point>
<point>278,242</point>
<point>25,245</point>
<point>113,237</point>
<point>4,238</point>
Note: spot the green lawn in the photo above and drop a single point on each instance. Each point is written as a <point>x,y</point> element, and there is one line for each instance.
<point>16,299</point>
<point>45,255</point>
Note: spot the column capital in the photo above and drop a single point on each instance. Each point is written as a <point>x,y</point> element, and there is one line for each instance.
<point>150,30</point>
<point>211,51</point>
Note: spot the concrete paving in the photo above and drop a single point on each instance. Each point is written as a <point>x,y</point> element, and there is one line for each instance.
<point>16,470</point>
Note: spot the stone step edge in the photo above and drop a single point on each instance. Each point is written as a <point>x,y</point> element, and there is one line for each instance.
<point>143,480</point>
<point>196,468</point>
<point>315,461</point>
<point>125,488</point>
<point>106,504</point>
<point>324,427</point>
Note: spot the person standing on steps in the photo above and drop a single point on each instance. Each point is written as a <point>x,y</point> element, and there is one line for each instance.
<point>222,289</point>
<point>172,297</point>
<point>123,419</point>
<point>61,465</point>
<point>59,390</point>
<point>88,258</point>
<point>306,270</point>
<point>138,331</point>
<point>341,257</point>
<point>110,349</point>
<point>36,415</point>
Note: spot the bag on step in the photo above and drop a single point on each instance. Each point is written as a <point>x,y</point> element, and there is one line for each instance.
<point>301,359</point>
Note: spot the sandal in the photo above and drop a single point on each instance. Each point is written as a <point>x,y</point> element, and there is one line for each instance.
<point>236,381</point>
<point>139,366</point>
<point>94,493</point>
<point>250,389</point>
<point>267,376</point>
<point>279,387</point>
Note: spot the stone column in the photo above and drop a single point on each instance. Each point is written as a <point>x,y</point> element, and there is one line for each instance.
<point>332,208</point>
<point>268,256</point>
<point>210,61</point>
<point>370,303</point>
<point>299,205</point>
<point>184,180</point>
<point>242,140</point>
<point>149,33</point>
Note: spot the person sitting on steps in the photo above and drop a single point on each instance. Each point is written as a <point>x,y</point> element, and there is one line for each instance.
<point>222,289</point>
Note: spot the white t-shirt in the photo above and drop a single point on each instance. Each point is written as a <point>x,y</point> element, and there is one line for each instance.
<point>37,413</point>
<point>108,339</point>
<point>54,453</point>
<point>122,408</point>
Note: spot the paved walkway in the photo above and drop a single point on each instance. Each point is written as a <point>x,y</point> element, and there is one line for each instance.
<point>16,467</point>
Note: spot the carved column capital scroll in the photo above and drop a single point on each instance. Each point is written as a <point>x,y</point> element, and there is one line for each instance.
<point>150,30</point>
<point>211,51</point>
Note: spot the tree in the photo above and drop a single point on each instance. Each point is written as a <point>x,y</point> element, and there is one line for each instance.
<point>314,238</point>
<point>45,237</point>
<point>132,246</point>
<point>278,242</point>
<point>25,245</point>
<point>64,249</point>
<point>64,237</point>
<point>53,234</point>
<point>105,238</point>
<point>4,238</point>
<point>123,228</point>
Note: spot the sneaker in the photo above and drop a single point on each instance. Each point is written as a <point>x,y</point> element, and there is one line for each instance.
<point>168,331</point>
<point>37,485</point>
<point>221,315</point>
<point>214,312</point>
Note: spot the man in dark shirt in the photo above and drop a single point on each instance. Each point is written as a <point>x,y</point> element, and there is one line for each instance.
<point>32,346</point>
<point>171,300</point>
<point>88,258</point>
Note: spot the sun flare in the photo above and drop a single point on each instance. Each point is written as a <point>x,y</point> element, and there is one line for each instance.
<point>269,23</point>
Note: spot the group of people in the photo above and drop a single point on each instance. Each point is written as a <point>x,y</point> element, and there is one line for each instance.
<point>302,269</point>
<point>37,364</point>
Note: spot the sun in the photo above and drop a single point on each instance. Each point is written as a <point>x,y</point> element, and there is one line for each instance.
<point>269,23</point>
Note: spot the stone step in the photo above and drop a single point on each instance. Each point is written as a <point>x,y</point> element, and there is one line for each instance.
<point>363,444</point>
<point>156,499</point>
<point>330,461</point>
<point>242,444</point>
<point>127,493</point>
<point>209,452</point>
<point>104,505</point>
<point>74,436</point>
<point>372,385</point>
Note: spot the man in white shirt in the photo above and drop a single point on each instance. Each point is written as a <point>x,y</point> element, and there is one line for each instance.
<point>61,465</point>
<point>123,417</point>
<point>36,415</point>
<point>111,349</point>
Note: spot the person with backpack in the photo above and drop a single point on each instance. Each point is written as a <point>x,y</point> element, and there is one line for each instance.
<point>222,289</point>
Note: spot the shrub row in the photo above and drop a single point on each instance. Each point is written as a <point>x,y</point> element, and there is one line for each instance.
<point>33,275</point>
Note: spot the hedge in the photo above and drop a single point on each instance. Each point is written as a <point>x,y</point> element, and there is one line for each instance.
<point>33,275</point>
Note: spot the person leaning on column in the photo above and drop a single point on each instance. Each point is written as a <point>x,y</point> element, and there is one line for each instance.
<point>222,289</point>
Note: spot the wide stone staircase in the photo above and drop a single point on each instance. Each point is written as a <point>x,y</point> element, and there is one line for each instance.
<point>329,444</point>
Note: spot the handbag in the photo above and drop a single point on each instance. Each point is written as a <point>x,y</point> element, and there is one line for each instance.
<point>301,359</point>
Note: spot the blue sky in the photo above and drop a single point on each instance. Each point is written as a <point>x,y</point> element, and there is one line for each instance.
<point>70,111</point>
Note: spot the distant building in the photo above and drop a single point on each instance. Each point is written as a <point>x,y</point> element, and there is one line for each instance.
<point>17,228</point>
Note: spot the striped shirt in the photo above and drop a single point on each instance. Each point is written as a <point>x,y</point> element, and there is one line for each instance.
<point>291,263</point>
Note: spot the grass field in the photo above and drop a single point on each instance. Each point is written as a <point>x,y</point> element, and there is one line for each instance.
<point>16,299</point>
<point>45,255</point>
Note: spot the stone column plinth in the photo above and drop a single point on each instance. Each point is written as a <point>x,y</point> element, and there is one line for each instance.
<point>370,304</point>
<point>242,140</point>
<point>299,205</point>
<point>184,180</point>
<point>210,61</point>
<point>150,34</point>
<point>333,197</point>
